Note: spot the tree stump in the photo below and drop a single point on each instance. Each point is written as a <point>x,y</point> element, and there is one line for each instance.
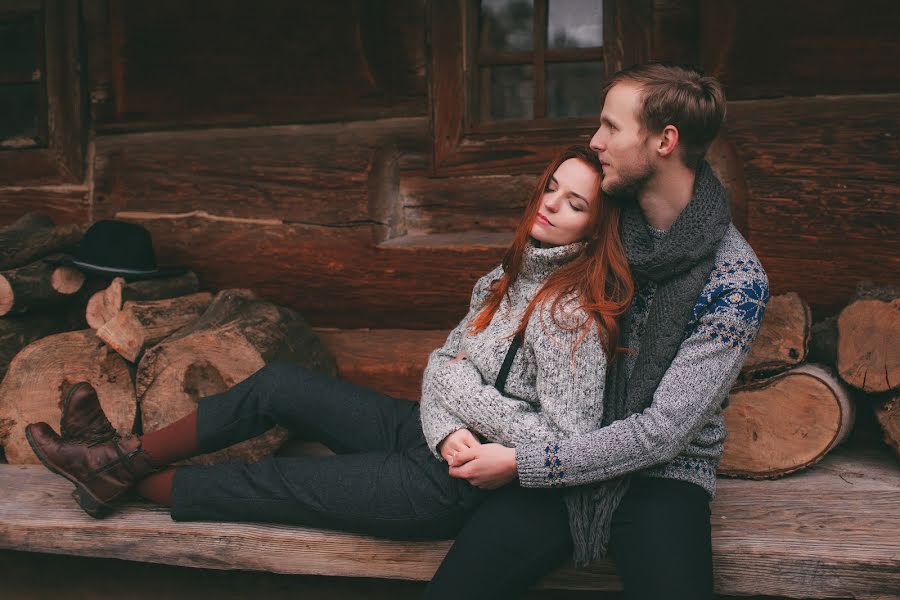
<point>34,236</point>
<point>139,325</point>
<point>868,347</point>
<point>38,285</point>
<point>41,374</point>
<point>784,424</point>
<point>105,304</point>
<point>237,335</point>
<point>888,415</point>
<point>783,338</point>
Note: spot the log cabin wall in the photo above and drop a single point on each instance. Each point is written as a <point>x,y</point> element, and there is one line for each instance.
<point>299,149</point>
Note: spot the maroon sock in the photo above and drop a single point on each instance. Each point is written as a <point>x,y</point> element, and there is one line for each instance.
<point>158,487</point>
<point>172,443</point>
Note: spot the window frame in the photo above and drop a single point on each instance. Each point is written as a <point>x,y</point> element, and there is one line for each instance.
<point>35,12</point>
<point>461,145</point>
<point>62,159</point>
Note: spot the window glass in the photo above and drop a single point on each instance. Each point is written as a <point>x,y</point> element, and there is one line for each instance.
<point>574,23</point>
<point>573,89</point>
<point>19,114</point>
<point>512,92</point>
<point>18,51</point>
<point>507,25</point>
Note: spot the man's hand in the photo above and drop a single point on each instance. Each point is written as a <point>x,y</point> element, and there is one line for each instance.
<point>487,466</point>
<point>459,440</point>
<point>461,356</point>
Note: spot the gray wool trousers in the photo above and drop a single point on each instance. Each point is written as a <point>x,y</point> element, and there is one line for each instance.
<point>383,480</point>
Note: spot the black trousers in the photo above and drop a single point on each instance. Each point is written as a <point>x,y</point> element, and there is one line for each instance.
<point>660,542</point>
<point>384,481</point>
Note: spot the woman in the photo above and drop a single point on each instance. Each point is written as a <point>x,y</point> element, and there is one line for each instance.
<point>562,284</point>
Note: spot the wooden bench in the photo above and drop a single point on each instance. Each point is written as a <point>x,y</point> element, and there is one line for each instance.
<point>830,532</point>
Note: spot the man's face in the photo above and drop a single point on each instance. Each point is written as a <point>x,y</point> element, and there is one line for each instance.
<point>622,144</point>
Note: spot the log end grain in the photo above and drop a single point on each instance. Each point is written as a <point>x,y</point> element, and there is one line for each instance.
<point>67,280</point>
<point>868,349</point>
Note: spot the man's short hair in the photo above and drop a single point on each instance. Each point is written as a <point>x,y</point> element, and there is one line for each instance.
<point>679,96</point>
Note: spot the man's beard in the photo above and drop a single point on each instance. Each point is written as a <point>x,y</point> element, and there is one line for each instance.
<point>631,182</point>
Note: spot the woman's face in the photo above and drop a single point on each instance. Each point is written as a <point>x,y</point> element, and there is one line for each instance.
<point>564,209</point>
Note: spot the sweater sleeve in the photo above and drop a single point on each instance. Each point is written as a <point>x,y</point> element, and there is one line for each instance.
<point>569,387</point>
<point>437,421</point>
<point>696,384</point>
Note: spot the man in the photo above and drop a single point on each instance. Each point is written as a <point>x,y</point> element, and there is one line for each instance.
<point>639,486</point>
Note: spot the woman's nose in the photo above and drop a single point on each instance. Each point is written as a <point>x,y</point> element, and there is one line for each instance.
<point>551,203</point>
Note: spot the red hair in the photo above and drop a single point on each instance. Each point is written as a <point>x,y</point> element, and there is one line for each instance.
<point>598,278</point>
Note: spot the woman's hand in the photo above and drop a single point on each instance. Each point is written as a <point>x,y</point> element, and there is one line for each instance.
<point>459,440</point>
<point>488,466</point>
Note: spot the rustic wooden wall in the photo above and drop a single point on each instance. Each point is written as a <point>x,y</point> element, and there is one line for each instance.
<point>286,146</point>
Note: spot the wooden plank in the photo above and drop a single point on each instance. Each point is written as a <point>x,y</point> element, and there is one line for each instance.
<point>228,62</point>
<point>64,204</point>
<point>315,175</point>
<point>489,203</point>
<point>334,276</point>
<point>827,532</point>
<point>388,360</point>
<point>820,46</point>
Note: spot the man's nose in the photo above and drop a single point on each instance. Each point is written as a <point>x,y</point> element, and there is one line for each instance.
<point>597,142</point>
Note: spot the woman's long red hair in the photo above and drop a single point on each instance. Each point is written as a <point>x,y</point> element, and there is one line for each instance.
<point>599,277</point>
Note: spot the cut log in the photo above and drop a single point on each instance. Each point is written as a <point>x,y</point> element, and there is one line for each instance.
<point>784,424</point>
<point>237,335</point>
<point>888,415</point>
<point>18,331</point>
<point>105,304</point>
<point>868,348</point>
<point>139,325</point>
<point>34,236</point>
<point>783,339</point>
<point>38,285</point>
<point>41,374</point>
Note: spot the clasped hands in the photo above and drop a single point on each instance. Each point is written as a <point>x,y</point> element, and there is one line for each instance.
<point>486,466</point>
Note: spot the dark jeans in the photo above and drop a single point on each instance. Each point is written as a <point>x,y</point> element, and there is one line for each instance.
<point>384,481</point>
<point>660,542</point>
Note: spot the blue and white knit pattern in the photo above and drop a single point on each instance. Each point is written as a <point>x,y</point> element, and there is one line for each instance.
<point>681,436</point>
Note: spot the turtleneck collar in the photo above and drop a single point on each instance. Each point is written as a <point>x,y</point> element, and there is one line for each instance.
<point>539,263</point>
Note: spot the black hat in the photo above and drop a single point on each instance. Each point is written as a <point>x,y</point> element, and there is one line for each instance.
<point>119,249</point>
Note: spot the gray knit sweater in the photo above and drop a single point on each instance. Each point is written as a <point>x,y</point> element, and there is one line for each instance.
<point>680,436</point>
<point>550,391</point>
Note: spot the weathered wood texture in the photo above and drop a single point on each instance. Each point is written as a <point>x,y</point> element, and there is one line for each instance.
<point>811,46</point>
<point>32,236</point>
<point>39,284</point>
<point>41,374</point>
<point>826,533</point>
<point>888,414</point>
<point>139,325</point>
<point>390,361</point>
<point>868,347</point>
<point>65,205</point>
<point>783,338</point>
<point>785,423</point>
<point>106,303</point>
<point>167,64</point>
<point>17,331</point>
<point>335,277</point>
<point>822,188</point>
<point>236,336</point>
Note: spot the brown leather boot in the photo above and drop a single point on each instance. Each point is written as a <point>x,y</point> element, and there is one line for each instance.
<point>83,418</point>
<point>101,472</point>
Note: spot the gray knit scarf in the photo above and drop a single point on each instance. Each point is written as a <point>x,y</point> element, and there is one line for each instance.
<point>680,265</point>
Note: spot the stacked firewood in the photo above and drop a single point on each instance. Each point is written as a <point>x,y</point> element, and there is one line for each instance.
<point>152,349</point>
<point>801,383</point>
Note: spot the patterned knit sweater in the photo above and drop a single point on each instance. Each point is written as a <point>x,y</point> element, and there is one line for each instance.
<point>550,391</point>
<point>681,435</point>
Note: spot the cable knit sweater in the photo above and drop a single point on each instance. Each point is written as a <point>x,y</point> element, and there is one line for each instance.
<point>550,391</point>
<point>680,436</point>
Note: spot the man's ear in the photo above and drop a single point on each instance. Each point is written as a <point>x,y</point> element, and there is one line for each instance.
<point>668,140</point>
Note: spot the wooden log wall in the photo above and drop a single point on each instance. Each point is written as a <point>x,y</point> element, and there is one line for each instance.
<point>286,147</point>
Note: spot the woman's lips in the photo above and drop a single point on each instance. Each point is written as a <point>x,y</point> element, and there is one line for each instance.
<point>542,219</point>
